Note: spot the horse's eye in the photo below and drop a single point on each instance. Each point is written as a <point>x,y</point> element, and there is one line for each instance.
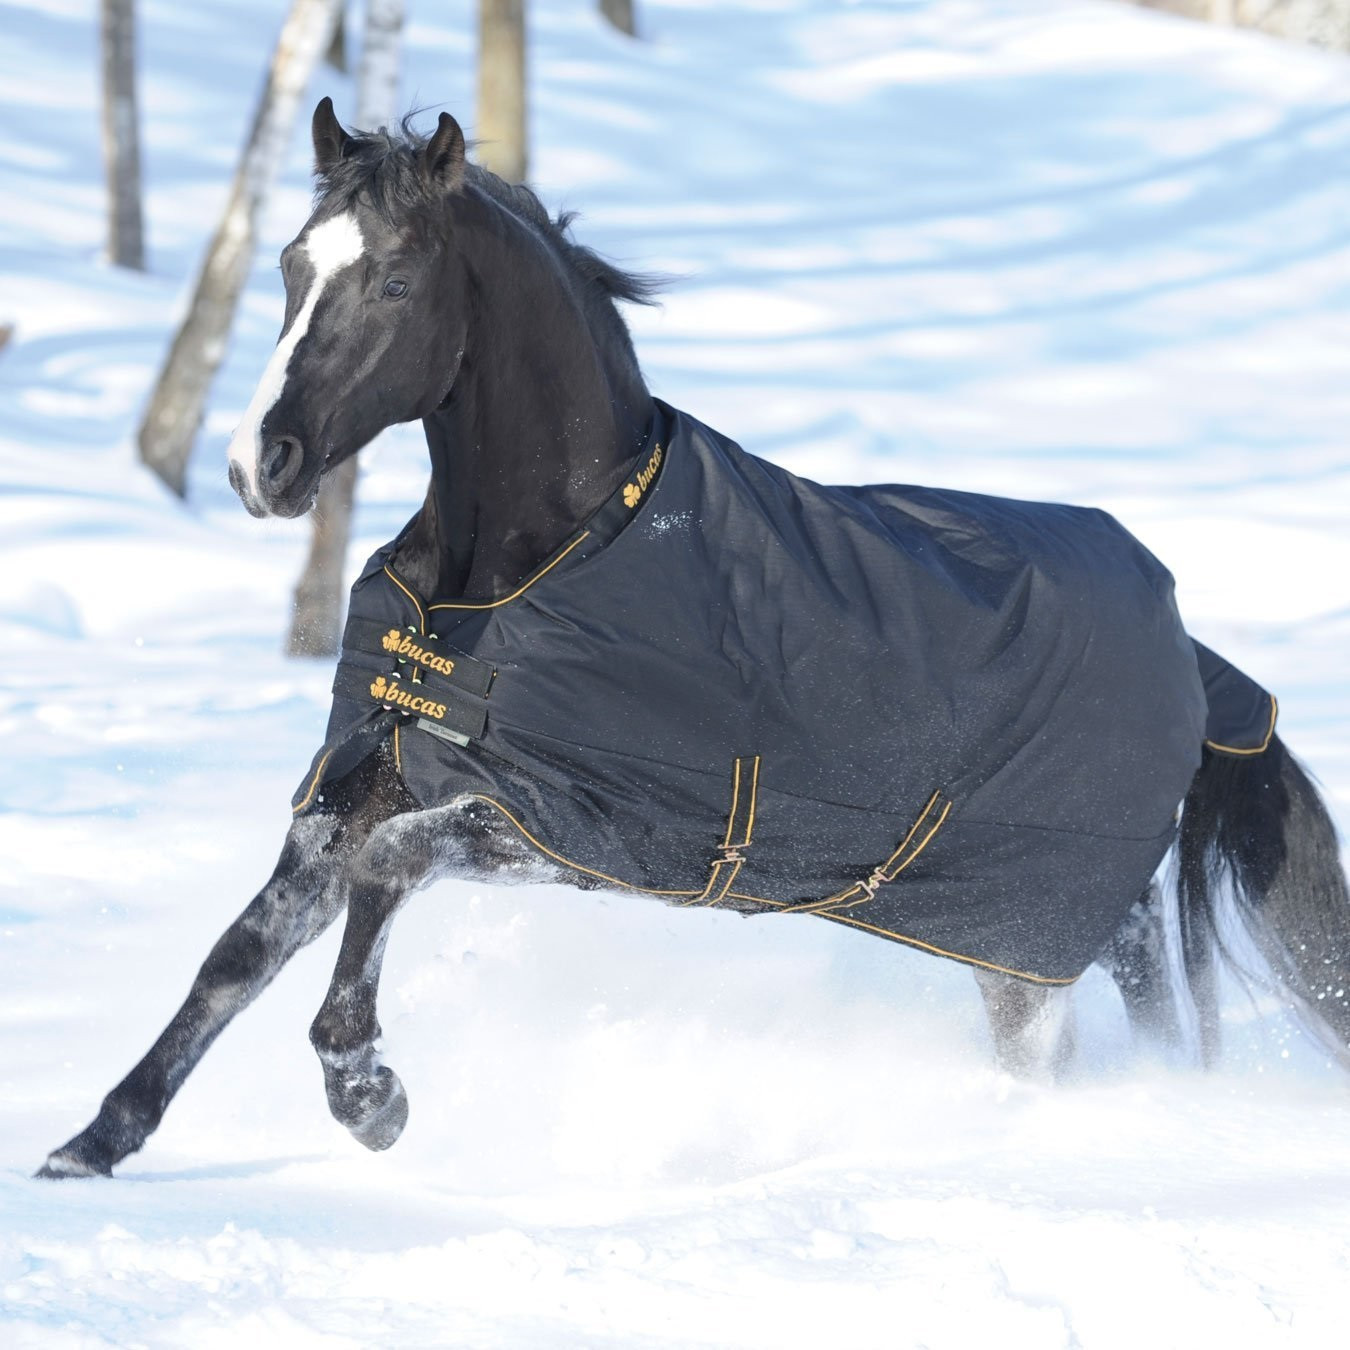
<point>394,288</point>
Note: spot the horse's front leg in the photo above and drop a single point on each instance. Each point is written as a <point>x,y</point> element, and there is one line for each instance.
<point>465,839</point>
<point>1032,1024</point>
<point>303,896</point>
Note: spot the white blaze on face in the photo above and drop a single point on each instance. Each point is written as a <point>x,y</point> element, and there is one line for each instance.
<point>330,247</point>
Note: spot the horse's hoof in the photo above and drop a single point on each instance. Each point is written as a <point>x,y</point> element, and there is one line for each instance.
<point>64,1164</point>
<point>388,1115</point>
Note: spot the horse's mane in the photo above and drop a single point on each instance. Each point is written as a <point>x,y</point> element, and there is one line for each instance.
<point>382,167</point>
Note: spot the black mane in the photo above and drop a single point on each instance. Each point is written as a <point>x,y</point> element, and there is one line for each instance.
<point>381,168</point>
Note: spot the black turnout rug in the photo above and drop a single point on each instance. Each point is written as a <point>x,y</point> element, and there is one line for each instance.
<point>958,721</point>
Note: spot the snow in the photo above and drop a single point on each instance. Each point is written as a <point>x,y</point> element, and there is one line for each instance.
<point>1057,249</point>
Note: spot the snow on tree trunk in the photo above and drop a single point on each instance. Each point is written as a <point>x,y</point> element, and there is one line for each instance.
<point>316,612</point>
<point>620,14</point>
<point>501,133</point>
<point>121,141</point>
<point>179,398</point>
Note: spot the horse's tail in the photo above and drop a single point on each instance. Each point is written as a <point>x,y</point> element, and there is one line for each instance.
<point>1257,822</point>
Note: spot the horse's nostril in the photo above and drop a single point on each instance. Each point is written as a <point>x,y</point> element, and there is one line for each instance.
<point>236,477</point>
<point>280,462</point>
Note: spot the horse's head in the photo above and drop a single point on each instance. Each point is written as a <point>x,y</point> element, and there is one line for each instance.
<point>375,317</point>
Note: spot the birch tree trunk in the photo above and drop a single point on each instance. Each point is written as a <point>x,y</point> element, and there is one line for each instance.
<point>179,398</point>
<point>316,610</point>
<point>1323,23</point>
<point>121,139</point>
<point>336,55</point>
<point>620,14</point>
<point>501,88</point>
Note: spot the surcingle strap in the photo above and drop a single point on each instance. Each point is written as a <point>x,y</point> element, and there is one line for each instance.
<point>439,662</point>
<point>740,831</point>
<point>447,709</point>
<point>930,821</point>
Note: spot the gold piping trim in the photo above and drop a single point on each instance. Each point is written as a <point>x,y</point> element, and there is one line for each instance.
<point>398,758</point>
<point>567,862</point>
<point>776,904</point>
<point>492,604</point>
<point>754,798</point>
<point>421,613</point>
<point>318,773</point>
<point>1255,749</point>
<point>916,942</point>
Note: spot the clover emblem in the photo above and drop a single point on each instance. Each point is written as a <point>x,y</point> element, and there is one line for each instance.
<point>379,688</point>
<point>631,494</point>
<point>391,640</point>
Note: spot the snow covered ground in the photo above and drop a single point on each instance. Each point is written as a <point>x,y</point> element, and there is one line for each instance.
<point>1048,248</point>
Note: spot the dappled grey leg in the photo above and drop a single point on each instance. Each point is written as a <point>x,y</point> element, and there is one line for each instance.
<point>363,1094</point>
<point>303,896</point>
<point>297,904</point>
<point>464,839</point>
<point>1136,959</point>
<point>1032,1024</point>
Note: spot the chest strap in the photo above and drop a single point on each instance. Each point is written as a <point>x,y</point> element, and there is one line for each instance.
<point>439,663</point>
<point>447,708</point>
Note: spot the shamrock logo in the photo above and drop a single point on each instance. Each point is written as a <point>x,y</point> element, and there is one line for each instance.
<point>631,494</point>
<point>391,640</point>
<point>379,688</point>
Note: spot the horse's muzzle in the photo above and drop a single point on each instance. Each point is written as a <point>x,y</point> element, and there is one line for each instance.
<point>281,466</point>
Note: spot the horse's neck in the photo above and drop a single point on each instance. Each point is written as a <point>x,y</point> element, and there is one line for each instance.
<point>543,423</point>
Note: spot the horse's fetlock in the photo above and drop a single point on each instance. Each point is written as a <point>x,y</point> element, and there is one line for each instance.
<point>338,1043</point>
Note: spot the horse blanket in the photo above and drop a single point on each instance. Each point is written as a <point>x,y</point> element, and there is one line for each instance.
<point>958,721</point>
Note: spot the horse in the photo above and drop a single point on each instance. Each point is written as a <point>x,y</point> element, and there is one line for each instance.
<point>927,773</point>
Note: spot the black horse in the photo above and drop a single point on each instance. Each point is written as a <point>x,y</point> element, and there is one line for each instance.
<point>613,650</point>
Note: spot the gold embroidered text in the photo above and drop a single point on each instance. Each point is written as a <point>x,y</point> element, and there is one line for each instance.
<point>403,645</point>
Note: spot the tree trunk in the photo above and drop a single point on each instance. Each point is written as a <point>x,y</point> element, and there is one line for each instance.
<point>336,55</point>
<point>1323,23</point>
<point>620,14</point>
<point>316,610</point>
<point>176,406</point>
<point>121,142</point>
<point>501,88</point>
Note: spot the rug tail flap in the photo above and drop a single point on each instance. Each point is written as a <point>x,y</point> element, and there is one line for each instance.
<point>1241,719</point>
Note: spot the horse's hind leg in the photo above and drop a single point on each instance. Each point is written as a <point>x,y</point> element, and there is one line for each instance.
<point>1136,959</point>
<point>303,896</point>
<point>1032,1024</point>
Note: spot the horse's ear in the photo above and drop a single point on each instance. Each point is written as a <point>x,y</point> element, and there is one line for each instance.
<point>443,158</point>
<point>330,141</point>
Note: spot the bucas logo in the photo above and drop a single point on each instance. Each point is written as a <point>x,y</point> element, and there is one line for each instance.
<point>632,492</point>
<point>403,645</point>
<point>392,693</point>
